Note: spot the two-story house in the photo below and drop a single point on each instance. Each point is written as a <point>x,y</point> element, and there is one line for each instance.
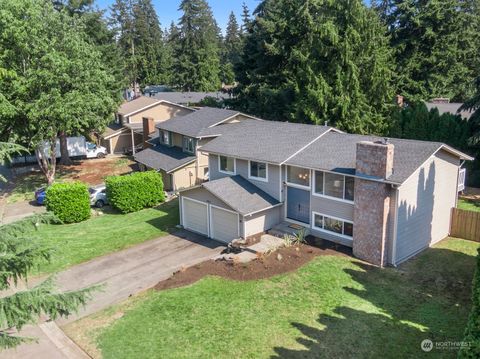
<point>176,150</point>
<point>388,199</point>
<point>126,133</point>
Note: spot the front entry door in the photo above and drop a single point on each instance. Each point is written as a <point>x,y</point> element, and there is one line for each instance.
<point>298,204</point>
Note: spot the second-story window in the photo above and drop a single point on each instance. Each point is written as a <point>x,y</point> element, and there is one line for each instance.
<point>258,171</point>
<point>226,164</point>
<point>188,144</point>
<point>298,176</point>
<point>165,138</point>
<point>334,185</point>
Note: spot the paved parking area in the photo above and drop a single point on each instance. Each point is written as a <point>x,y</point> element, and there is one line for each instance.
<point>122,275</point>
<point>15,211</point>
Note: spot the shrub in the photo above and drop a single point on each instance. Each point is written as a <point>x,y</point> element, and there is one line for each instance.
<point>472,333</point>
<point>136,191</point>
<point>70,202</point>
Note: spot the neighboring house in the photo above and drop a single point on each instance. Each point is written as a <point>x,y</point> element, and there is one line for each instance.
<point>127,132</point>
<point>445,106</point>
<point>388,199</point>
<point>176,150</point>
<point>189,98</point>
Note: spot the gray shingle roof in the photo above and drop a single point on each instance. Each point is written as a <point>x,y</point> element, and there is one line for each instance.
<point>451,107</point>
<point>240,194</point>
<point>189,97</point>
<point>268,141</point>
<point>196,122</point>
<point>164,158</point>
<point>337,152</point>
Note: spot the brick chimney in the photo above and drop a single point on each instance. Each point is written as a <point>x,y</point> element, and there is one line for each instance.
<point>374,162</point>
<point>148,129</point>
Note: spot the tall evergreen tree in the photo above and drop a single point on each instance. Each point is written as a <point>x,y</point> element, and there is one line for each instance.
<point>141,41</point>
<point>232,48</point>
<point>245,19</point>
<point>197,57</point>
<point>436,45</point>
<point>316,61</point>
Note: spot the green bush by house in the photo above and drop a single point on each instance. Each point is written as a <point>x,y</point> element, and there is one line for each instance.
<point>136,191</point>
<point>70,202</point>
<point>472,333</point>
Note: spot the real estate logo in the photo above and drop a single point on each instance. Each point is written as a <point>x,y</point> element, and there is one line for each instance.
<point>426,345</point>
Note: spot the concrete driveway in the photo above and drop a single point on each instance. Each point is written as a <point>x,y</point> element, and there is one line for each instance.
<point>13,212</point>
<point>122,274</point>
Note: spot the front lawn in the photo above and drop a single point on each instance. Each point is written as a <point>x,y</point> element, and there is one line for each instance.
<point>76,243</point>
<point>335,307</point>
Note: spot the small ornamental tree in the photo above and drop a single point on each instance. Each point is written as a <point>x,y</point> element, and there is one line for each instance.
<point>70,202</point>
<point>136,191</point>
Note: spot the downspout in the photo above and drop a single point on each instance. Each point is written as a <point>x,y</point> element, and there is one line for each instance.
<point>395,228</point>
<point>133,142</point>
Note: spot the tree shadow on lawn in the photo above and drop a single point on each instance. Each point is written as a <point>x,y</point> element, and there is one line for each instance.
<point>426,298</point>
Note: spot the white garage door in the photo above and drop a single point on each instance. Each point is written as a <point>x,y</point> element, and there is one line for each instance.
<point>224,224</point>
<point>195,216</point>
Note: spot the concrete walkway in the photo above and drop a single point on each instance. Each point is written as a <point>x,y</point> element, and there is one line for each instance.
<point>13,212</point>
<point>122,274</point>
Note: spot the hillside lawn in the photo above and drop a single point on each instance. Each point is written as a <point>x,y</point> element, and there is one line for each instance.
<point>333,307</point>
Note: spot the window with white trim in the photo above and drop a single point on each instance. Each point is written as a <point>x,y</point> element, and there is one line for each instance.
<point>333,225</point>
<point>258,170</point>
<point>334,185</point>
<point>298,176</point>
<point>226,164</point>
<point>165,137</point>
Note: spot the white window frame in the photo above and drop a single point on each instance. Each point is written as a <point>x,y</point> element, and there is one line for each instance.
<point>323,195</point>
<point>299,185</point>
<point>227,172</point>
<point>334,218</point>
<point>254,177</point>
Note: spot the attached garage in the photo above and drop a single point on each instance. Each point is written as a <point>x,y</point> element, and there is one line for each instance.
<point>195,216</point>
<point>224,224</point>
<point>227,209</point>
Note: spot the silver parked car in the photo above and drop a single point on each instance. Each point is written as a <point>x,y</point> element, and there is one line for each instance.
<point>98,196</point>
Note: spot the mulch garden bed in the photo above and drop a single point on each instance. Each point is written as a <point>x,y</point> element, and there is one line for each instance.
<point>284,260</point>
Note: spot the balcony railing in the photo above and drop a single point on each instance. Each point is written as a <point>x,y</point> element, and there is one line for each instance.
<point>461,179</point>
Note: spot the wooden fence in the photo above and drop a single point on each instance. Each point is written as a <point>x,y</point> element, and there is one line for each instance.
<point>465,224</point>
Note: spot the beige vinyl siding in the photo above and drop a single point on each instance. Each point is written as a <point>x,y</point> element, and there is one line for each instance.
<point>424,205</point>
<point>185,177</point>
<point>177,140</point>
<point>160,112</point>
<point>167,181</point>
<point>332,207</point>
<point>262,221</point>
<point>122,142</point>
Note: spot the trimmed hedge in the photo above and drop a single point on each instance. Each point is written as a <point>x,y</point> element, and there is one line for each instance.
<point>472,333</point>
<point>70,202</point>
<point>135,191</point>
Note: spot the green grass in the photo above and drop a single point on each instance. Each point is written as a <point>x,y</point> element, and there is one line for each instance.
<point>24,189</point>
<point>334,307</point>
<point>76,243</point>
<point>468,205</point>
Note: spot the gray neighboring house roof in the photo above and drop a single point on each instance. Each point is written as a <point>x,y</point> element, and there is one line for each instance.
<point>241,195</point>
<point>164,158</point>
<point>268,141</point>
<point>136,105</point>
<point>449,107</point>
<point>189,97</point>
<point>337,152</point>
<point>195,123</point>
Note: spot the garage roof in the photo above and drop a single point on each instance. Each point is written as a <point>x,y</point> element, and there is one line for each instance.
<point>241,195</point>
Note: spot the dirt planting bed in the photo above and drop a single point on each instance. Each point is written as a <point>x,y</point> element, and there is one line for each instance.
<point>284,260</point>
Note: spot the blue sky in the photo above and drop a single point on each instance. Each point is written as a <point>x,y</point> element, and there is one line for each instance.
<point>167,10</point>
